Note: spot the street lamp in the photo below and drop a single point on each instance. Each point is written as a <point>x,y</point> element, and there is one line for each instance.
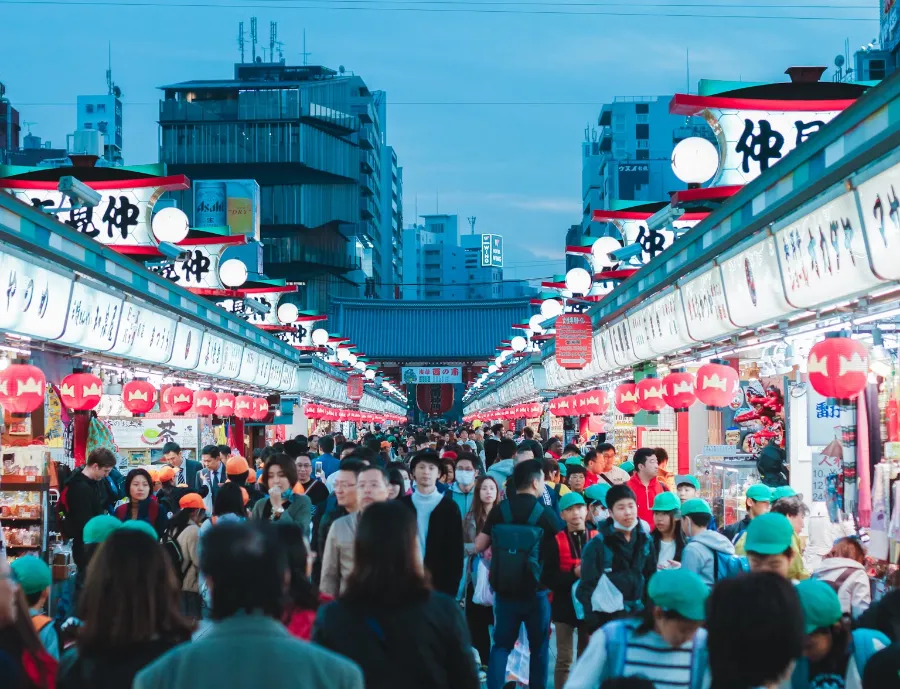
<point>578,281</point>
<point>288,313</point>
<point>551,308</point>
<point>170,225</point>
<point>233,273</point>
<point>519,343</point>
<point>319,335</point>
<point>694,160</point>
<point>535,323</point>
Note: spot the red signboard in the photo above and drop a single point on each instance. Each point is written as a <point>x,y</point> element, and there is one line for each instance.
<point>573,340</point>
<point>355,388</point>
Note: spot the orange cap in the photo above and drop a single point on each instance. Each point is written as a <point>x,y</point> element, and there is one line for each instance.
<point>191,501</point>
<point>236,465</point>
<point>165,474</point>
<point>245,494</point>
<point>154,474</point>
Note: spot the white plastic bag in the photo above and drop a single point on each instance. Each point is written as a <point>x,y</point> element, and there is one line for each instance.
<point>483,593</point>
<point>579,608</point>
<point>519,660</point>
<point>606,597</point>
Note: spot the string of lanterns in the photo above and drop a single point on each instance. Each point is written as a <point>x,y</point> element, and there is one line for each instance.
<point>326,413</point>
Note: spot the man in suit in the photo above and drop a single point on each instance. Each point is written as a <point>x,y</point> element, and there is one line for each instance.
<point>212,474</point>
<point>186,470</point>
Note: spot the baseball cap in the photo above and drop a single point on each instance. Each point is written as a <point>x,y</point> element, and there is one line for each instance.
<point>191,501</point>
<point>154,474</point>
<point>144,527</point>
<point>783,492</point>
<point>98,528</point>
<point>687,478</point>
<point>681,591</point>
<point>236,465</point>
<point>627,466</point>
<point>563,471</point>
<point>166,474</point>
<point>666,502</point>
<point>32,574</point>
<point>570,500</point>
<point>597,493</point>
<point>695,506</point>
<point>759,492</point>
<point>574,462</point>
<point>820,603</point>
<point>769,534</point>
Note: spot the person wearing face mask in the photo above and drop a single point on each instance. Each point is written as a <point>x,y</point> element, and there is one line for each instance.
<point>462,489</point>
<point>595,496</point>
<point>621,551</point>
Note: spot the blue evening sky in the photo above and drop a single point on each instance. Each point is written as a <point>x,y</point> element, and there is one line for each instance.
<point>487,108</point>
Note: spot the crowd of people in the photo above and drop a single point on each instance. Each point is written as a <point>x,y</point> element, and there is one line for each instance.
<point>436,558</point>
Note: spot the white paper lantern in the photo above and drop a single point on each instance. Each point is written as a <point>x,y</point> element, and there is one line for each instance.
<point>319,336</point>
<point>694,160</point>
<point>519,343</point>
<point>535,323</point>
<point>600,251</point>
<point>343,354</point>
<point>578,281</point>
<point>233,273</point>
<point>492,368</point>
<point>352,359</point>
<point>551,308</point>
<point>288,313</point>
<point>170,225</point>
<point>370,374</point>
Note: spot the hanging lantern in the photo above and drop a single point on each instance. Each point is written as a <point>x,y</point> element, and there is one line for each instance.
<point>537,410</point>
<point>838,367</point>
<point>716,384</point>
<point>650,394</point>
<point>224,404</point>
<point>243,407</point>
<point>678,390</point>
<point>180,399</point>
<point>582,401</point>
<point>80,391</point>
<point>22,387</point>
<point>343,415</point>
<point>311,411</point>
<point>138,396</point>
<point>597,402</point>
<point>205,402</point>
<point>627,398</point>
<point>260,408</point>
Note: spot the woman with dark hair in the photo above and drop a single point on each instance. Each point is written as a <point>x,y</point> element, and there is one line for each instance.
<point>279,479</point>
<point>184,530</point>
<point>843,568</point>
<point>659,645</point>
<point>130,610</point>
<point>398,484</point>
<point>479,618</point>
<point>388,609</point>
<point>32,667</point>
<point>141,503</point>
<point>667,537</point>
<point>665,475</point>
<point>303,599</point>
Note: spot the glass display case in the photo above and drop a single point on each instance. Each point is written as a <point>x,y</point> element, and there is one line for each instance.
<point>724,483</point>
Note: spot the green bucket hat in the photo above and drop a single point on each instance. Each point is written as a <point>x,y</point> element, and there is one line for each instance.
<point>769,534</point>
<point>687,478</point>
<point>666,502</point>
<point>570,499</point>
<point>32,574</point>
<point>574,462</point>
<point>759,493</point>
<point>820,603</point>
<point>597,493</point>
<point>627,466</point>
<point>681,591</point>
<point>562,470</point>
<point>695,506</point>
<point>783,492</point>
<point>142,526</point>
<point>98,528</point>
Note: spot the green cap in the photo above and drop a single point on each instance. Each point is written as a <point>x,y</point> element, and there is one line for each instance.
<point>687,478</point>
<point>695,506</point>
<point>759,492</point>
<point>666,502</point>
<point>597,493</point>
<point>820,602</point>
<point>769,534</point>
<point>570,499</point>
<point>138,525</point>
<point>562,469</point>
<point>98,528</point>
<point>32,573</point>
<point>574,462</point>
<point>679,590</point>
<point>783,492</point>
<point>627,466</point>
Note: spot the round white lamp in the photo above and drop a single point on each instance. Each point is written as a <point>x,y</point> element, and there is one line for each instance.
<point>578,281</point>
<point>170,225</point>
<point>288,313</point>
<point>233,272</point>
<point>601,249</point>
<point>535,323</point>
<point>319,335</point>
<point>695,160</point>
<point>343,354</point>
<point>370,374</point>
<point>519,343</point>
<point>551,308</point>
<point>352,360</point>
<point>492,368</point>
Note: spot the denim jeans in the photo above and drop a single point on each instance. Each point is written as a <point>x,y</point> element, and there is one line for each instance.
<point>509,615</point>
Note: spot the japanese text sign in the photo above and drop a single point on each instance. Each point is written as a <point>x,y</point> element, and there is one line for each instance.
<point>431,374</point>
<point>573,340</point>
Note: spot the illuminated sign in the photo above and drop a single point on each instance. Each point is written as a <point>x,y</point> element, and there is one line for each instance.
<point>34,300</point>
<point>705,306</point>
<point>878,198</point>
<point>413,375</point>
<point>144,334</point>
<point>752,284</point>
<point>93,318</point>
<point>232,203</point>
<point>491,251</point>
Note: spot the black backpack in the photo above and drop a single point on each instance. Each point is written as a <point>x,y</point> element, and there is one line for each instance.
<point>173,551</point>
<point>515,562</point>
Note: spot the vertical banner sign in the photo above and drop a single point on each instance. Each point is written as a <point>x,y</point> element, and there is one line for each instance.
<point>355,388</point>
<point>485,250</point>
<point>573,340</point>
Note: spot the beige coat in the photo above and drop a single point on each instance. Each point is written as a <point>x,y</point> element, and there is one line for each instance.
<point>337,560</point>
<point>188,540</point>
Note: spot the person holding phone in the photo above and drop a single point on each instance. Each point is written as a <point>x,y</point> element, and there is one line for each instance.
<point>313,485</point>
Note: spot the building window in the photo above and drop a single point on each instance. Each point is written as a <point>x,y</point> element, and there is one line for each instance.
<point>88,125</point>
<point>605,118</point>
<point>876,69</point>
<point>643,119</point>
<point>642,108</point>
<point>643,143</point>
<point>642,154</point>
<point>101,107</point>
<point>619,124</point>
<point>89,107</point>
<point>642,131</point>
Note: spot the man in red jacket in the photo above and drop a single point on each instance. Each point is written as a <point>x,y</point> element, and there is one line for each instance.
<point>644,482</point>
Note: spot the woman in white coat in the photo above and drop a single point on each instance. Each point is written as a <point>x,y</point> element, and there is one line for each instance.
<point>844,570</point>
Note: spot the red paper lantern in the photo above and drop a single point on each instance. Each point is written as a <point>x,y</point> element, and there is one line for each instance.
<point>224,404</point>
<point>678,390</point>
<point>581,401</point>
<point>179,399</point>
<point>838,367</point>
<point>311,411</point>
<point>22,388</point>
<point>343,415</point>
<point>80,391</point>
<point>260,408</point>
<point>138,396</point>
<point>205,402</point>
<point>243,407</point>
<point>650,394</point>
<point>716,384</point>
<point>627,399</point>
<point>597,402</point>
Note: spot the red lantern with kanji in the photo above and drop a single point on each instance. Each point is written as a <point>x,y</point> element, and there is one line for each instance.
<point>838,367</point>
<point>597,402</point>
<point>627,398</point>
<point>650,394</point>
<point>581,400</point>
<point>260,408</point>
<point>80,391</point>
<point>243,407</point>
<point>205,402</point>
<point>138,396</point>
<point>311,411</point>
<point>225,402</point>
<point>716,384</point>
<point>180,399</point>
<point>22,388</point>
<point>678,390</point>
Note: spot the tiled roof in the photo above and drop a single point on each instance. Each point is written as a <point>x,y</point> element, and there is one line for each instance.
<point>430,331</point>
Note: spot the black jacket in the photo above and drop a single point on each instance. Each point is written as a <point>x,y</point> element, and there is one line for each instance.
<point>883,616</point>
<point>86,499</point>
<point>560,580</point>
<point>422,644</point>
<point>444,549</point>
<point>113,670</point>
<point>733,531</point>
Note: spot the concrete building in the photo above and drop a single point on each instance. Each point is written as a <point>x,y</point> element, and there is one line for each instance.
<point>391,240</point>
<point>484,266</point>
<point>9,126</point>
<point>103,114</point>
<point>312,138</point>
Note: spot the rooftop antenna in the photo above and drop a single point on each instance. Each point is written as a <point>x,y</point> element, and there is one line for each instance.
<point>241,40</point>
<point>109,81</point>
<point>304,53</point>
<point>253,37</point>
<point>273,38</point>
<point>471,220</point>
